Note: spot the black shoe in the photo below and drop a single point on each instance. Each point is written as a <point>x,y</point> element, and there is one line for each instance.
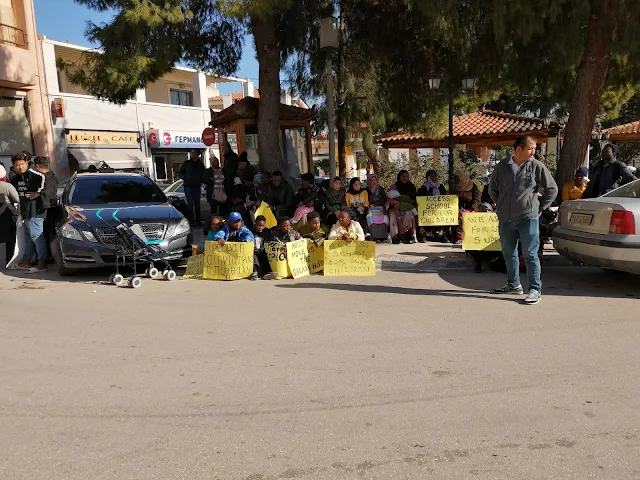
<point>477,267</point>
<point>396,240</point>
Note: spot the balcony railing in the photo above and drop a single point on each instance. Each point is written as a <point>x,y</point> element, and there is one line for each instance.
<point>12,35</point>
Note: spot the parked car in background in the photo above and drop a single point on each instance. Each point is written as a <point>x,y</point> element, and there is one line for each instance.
<point>604,231</point>
<point>93,204</point>
<point>177,198</point>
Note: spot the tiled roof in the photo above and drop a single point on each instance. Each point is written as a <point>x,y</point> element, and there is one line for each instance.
<point>235,96</point>
<point>476,124</point>
<point>632,128</point>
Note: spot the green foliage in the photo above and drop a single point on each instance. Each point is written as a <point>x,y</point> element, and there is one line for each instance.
<point>387,170</point>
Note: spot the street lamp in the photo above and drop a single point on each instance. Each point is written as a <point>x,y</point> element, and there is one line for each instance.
<point>468,83</point>
<point>329,41</point>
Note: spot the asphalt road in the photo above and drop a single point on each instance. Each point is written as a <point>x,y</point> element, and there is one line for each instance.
<point>401,376</point>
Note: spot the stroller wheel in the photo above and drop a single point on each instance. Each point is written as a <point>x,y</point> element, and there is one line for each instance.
<point>151,272</point>
<point>135,282</point>
<point>169,275</point>
<point>117,279</point>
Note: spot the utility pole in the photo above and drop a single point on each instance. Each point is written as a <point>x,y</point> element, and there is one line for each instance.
<point>331,118</point>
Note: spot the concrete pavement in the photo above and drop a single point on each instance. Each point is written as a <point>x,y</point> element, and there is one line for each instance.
<point>400,376</point>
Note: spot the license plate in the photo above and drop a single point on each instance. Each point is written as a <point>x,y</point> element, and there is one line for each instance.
<point>581,218</point>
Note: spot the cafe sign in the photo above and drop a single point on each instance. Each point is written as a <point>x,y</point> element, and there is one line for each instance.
<point>91,138</point>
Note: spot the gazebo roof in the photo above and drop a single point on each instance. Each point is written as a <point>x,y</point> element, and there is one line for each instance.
<point>626,132</point>
<point>247,109</point>
<point>482,128</point>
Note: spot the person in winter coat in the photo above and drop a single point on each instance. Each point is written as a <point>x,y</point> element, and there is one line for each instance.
<point>214,181</point>
<point>280,195</point>
<point>8,198</point>
<point>609,174</point>
<point>34,203</point>
<point>41,164</point>
<point>192,174</point>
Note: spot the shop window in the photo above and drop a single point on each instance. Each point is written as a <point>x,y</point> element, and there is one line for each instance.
<point>181,97</point>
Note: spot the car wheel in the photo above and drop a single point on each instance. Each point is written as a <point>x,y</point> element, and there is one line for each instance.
<point>56,251</point>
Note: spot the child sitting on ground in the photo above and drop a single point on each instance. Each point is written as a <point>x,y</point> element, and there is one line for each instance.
<point>314,230</point>
<point>404,201</point>
<point>304,209</point>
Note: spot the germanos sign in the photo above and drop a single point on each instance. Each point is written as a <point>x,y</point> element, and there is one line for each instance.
<point>77,137</point>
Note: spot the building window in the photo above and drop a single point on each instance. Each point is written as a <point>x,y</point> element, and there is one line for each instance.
<point>181,97</point>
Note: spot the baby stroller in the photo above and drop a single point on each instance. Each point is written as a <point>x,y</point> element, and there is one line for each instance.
<point>133,251</point>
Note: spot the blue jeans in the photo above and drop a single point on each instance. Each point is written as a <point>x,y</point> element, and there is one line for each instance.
<point>34,238</point>
<point>527,232</point>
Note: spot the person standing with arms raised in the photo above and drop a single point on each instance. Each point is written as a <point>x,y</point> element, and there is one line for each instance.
<point>514,188</point>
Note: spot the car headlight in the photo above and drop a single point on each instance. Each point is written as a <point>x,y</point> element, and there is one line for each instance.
<point>181,228</point>
<point>70,232</point>
<point>89,236</point>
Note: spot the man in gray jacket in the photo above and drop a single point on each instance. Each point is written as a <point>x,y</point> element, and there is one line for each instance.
<point>514,187</point>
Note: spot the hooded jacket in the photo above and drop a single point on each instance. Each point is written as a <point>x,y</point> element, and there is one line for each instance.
<point>31,182</point>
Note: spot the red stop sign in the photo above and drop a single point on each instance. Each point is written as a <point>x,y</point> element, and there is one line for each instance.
<point>208,136</point>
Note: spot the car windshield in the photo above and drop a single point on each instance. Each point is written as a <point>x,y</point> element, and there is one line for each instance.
<point>106,188</point>
<point>630,190</point>
<point>177,187</point>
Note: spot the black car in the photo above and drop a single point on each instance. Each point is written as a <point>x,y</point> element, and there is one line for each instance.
<point>92,204</point>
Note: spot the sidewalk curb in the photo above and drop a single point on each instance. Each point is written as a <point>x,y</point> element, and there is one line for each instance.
<point>457,262</point>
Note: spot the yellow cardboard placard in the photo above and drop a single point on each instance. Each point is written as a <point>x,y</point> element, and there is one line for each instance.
<point>277,256</point>
<point>349,259</point>
<point>195,267</point>
<point>265,210</point>
<point>316,256</point>
<point>439,210</point>
<point>480,231</point>
<point>233,261</point>
<point>298,258</point>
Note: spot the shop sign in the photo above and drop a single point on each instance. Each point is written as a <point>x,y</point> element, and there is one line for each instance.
<point>175,139</point>
<point>120,139</point>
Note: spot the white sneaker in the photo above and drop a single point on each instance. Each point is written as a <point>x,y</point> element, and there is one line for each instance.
<point>533,298</point>
<point>33,270</point>
<point>508,289</point>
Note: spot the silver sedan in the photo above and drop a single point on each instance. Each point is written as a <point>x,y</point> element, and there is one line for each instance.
<point>604,231</point>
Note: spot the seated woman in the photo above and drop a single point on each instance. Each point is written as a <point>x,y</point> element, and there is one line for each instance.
<point>468,200</point>
<point>346,229</point>
<point>432,188</point>
<point>377,218</point>
<point>573,189</point>
<point>284,233</point>
<point>358,203</point>
<point>335,200</point>
<point>402,217</point>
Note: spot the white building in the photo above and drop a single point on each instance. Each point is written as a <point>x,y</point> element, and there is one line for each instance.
<point>153,132</point>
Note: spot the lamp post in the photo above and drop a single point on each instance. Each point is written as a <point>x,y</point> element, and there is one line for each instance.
<point>329,41</point>
<point>468,83</point>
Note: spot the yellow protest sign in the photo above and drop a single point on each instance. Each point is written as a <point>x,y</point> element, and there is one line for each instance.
<point>349,259</point>
<point>297,257</point>
<point>316,256</point>
<point>195,267</point>
<point>233,261</point>
<point>480,231</point>
<point>266,212</point>
<point>439,210</point>
<point>277,256</point>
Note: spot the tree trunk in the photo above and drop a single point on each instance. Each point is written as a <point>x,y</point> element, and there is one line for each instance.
<point>370,149</point>
<point>592,74</point>
<point>264,36</point>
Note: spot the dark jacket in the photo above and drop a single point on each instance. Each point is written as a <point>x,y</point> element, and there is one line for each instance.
<point>32,182</point>
<point>51,188</point>
<point>282,237</point>
<point>605,177</point>
<point>247,173</point>
<point>423,191</point>
<point>313,192</point>
<point>192,173</point>
<point>280,198</point>
<point>230,166</point>
<point>473,204</point>
<point>516,196</point>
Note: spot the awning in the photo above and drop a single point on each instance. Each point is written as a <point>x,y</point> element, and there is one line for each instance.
<point>118,158</point>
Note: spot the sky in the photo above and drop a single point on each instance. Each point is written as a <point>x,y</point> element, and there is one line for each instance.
<point>65,20</point>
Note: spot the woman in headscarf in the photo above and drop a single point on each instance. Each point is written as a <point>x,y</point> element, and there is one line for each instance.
<point>335,200</point>
<point>469,197</point>
<point>357,200</point>
<point>432,188</point>
<point>377,218</point>
<point>402,209</point>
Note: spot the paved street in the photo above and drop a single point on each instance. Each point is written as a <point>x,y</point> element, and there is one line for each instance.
<point>401,376</point>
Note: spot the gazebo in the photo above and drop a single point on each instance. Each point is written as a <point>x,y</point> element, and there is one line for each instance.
<point>240,119</point>
<point>481,129</point>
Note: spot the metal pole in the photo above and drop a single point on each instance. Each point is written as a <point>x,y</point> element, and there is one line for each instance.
<point>331,119</point>
<point>451,181</point>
